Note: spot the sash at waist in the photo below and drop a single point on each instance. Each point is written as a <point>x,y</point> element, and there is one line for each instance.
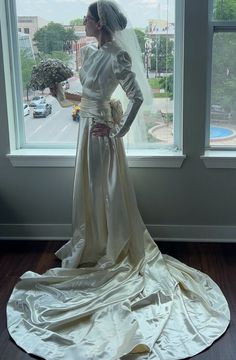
<point>100,110</point>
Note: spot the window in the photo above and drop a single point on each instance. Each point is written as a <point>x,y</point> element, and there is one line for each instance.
<point>51,34</point>
<point>222,110</point>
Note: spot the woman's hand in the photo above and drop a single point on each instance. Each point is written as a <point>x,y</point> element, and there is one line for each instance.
<point>100,129</point>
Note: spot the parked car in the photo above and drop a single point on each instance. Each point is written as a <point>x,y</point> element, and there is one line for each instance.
<point>65,85</point>
<point>42,110</point>
<point>37,100</point>
<point>26,109</point>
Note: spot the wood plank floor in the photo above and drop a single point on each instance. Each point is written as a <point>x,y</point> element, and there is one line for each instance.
<point>217,260</point>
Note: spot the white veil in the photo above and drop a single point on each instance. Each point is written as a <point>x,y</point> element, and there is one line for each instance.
<point>114,19</point>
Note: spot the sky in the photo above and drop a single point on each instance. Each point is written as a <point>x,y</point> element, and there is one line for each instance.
<point>62,11</point>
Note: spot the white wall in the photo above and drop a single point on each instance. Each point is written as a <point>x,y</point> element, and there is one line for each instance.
<point>177,198</point>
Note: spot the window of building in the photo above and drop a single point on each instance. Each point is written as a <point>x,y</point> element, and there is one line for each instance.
<point>62,37</point>
<point>221,128</point>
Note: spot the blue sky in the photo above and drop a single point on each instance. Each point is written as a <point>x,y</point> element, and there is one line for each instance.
<point>139,11</point>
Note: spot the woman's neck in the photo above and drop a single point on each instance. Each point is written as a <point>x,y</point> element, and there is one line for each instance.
<point>103,38</point>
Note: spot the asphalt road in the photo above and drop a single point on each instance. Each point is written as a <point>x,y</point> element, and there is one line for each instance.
<point>58,127</point>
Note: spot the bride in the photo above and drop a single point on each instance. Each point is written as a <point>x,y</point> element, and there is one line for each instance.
<point>115,296</point>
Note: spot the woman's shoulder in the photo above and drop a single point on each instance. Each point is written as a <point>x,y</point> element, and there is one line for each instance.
<point>87,50</point>
<point>119,55</point>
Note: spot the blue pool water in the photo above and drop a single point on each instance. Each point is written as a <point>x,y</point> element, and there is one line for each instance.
<point>220,132</point>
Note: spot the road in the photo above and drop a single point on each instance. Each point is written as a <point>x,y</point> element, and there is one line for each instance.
<point>58,127</point>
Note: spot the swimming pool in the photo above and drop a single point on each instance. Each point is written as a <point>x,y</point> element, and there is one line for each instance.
<point>217,133</point>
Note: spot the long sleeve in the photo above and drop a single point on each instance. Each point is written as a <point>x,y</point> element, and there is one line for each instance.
<point>122,69</point>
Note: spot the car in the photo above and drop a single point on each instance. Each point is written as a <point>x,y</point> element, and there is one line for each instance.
<point>37,100</point>
<point>65,85</point>
<point>26,109</point>
<point>42,110</point>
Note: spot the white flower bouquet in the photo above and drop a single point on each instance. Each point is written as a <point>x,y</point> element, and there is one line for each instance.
<point>48,73</point>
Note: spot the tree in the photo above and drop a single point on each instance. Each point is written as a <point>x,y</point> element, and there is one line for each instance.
<point>27,63</point>
<point>53,37</point>
<point>167,84</point>
<point>225,10</point>
<point>224,70</point>
<point>60,55</point>
<point>77,22</point>
<point>223,64</point>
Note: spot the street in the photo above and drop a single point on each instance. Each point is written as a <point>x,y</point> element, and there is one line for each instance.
<point>57,127</point>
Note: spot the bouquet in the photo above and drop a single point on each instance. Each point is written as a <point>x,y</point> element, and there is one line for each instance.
<point>49,73</point>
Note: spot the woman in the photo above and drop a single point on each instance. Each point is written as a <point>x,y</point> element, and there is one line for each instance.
<point>116,296</point>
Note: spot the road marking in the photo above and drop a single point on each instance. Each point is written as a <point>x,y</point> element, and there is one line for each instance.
<point>64,128</point>
<point>36,130</point>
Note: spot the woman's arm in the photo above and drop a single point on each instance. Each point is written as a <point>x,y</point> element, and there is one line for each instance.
<point>122,69</point>
<point>65,99</point>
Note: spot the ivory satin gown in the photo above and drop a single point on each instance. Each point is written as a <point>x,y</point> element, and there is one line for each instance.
<point>115,296</point>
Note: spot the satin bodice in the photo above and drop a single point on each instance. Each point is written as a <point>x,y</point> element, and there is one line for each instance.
<point>102,71</point>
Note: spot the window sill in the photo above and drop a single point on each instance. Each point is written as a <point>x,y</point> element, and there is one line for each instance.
<point>222,159</point>
<point>66,158</point>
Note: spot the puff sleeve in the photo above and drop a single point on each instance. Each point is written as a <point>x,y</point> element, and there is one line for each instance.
<point>122,69</point>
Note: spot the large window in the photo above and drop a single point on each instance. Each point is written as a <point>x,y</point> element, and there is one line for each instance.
<point>56,32</point>
<point>222,127</point>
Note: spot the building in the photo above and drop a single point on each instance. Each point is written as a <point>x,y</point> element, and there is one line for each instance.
<point>160,27</point>
<point>30,24</point>
<point>25,43</point>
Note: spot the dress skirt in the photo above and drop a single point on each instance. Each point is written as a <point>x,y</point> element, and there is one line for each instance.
<point>115,296</point>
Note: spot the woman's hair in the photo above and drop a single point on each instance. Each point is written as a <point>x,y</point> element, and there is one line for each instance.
<point>112,25</point>
<point>94,11</point>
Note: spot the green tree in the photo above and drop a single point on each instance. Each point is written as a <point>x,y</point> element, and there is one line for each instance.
<point>225,10</point>
<point>223,64</point>
<point>53,37</point>
<point>167,84</point>
<point>224,70</point>
<point>77,22</point>
<point>27,63</point>
<point>60,55</point>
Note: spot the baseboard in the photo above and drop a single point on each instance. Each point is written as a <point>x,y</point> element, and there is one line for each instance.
<point>191,233</point>
<point>35,231</point>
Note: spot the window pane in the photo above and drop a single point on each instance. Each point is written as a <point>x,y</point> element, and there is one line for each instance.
<point>224,10</point>
<point>56,31</point>
<point>223,104</point>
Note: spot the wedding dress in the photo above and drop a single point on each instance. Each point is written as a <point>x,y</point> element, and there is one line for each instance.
<point>115,296</point>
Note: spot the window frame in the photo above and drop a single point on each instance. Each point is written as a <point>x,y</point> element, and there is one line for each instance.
<point>216,156</point>
<point>21,154</point>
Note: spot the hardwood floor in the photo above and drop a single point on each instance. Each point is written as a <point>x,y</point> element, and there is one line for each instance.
<point>217,260</point>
